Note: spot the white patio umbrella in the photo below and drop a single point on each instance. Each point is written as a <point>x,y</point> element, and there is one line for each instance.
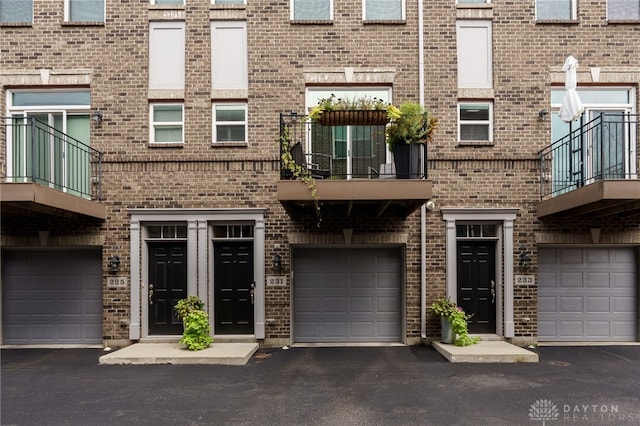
<point>572,107</point>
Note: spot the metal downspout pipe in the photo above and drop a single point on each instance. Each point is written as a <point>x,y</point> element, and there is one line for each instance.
<point>423,209</point>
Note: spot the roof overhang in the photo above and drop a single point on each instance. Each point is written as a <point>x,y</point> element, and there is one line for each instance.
<point>33,200</point>
<point>379,194</point>
<point>598,199</point>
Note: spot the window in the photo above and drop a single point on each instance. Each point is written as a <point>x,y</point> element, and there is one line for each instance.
<point>555,10</point>
<point>230,123</point>
<point>57,155</point>
<point>16,11</point>
<point>167,123</point>
<point>475,67</point>
<point>474,122</point>
<point>311,10</point>
<point>166,55</point>
<point>623,9</point>
<point>384,10</point>
<point>84,10</point>
<point>229,55</point>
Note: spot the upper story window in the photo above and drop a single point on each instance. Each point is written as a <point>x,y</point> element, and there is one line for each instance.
<point>475,64</point>
<point>84,10</point>
<point>230,123</point>
<point>229,66</point>
<point>384,10</point>
<point>16,11</point>
<point>311,10</point>
<point>475,122</point>
<point>166,55</point>
<point>551,10</point>
<point>623,10</point>
<point>167,123</point>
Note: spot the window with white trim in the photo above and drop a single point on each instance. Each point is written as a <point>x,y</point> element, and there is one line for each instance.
<point>16,11</point>
<point>311,10</point>
<point>84,10</point>
<point>475,63</point>
<point>230,123</point>
<point>166,55</point>
<point>550,10</point>
<point>167,123</point>
<point>475,121</point>
<point>623,10</point>
<point>384,10</point>
<point>229,64</point>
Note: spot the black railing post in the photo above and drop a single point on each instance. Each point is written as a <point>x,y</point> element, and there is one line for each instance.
<point>34,153</point>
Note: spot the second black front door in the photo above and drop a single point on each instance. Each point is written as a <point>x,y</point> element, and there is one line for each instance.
<point>477,284</point>
<point>234,284</point>
<point>167,285</point>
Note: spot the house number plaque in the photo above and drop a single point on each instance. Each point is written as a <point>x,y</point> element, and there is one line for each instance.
<point>117,282</point>
<point>276,280</point>
<point>525,280</point>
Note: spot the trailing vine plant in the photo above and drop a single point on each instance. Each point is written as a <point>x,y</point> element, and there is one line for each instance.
<point>299,171</point>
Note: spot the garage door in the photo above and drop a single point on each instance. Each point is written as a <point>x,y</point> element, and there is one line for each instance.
<point>347,295</point>
<point>587,294</point>
<point>52,297</point>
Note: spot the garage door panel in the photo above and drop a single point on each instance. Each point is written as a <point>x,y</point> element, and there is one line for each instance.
<point>364,307</point>
<point>595,300</point>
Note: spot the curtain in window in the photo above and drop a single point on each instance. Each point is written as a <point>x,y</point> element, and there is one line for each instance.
<point>553,9</point>
<point>383,9</point>
<point>311,10</point>
<point>16,11</point>
<point>86,10</point>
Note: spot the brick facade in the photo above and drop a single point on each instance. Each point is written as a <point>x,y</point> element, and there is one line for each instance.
<point>112,61</point>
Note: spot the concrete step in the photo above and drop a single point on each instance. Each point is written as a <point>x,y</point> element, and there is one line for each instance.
<point>173,353</point>
<point>485,351</point>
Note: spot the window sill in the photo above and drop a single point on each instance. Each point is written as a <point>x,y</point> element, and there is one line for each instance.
<point>16,24</point>
<point>384,22</point>
<point>474,5</point>
<point>166,144</point>
<point>623,22</point>
<point>475,143</point>
<point>83,24</point>
<point>229,145</point>
<point>312,22</point>
<point>558,22</point>
<point>228,6</point>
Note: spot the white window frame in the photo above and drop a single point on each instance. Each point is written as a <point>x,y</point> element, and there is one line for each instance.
<point>292,12</point>
<point>67,11</point>
<point>153,124</point>
<point>609,18</point>
<point>219,59</point>
<point>488,122</point>
<point>468,64</point>
<point>232,123</point>
<point>2,21</point>
<point>403,5</point>
<point>574,12</point>
<point>178,57</point>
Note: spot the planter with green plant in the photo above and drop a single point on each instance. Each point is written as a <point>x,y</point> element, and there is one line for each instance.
<point>406,134</point>
<point>195,322</point>
<point>453,316</point>
<point>360,111</point>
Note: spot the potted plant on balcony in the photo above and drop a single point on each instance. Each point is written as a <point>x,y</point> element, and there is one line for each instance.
<point>453,323</point>
<point>361,111</point>
<point>413,127</point>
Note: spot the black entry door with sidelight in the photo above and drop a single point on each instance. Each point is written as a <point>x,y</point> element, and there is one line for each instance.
<point>167,285</point>
<point>234,283</point>
<point>477,284</point>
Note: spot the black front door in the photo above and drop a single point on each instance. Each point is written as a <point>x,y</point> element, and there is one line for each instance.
<point>233,282</point>
<point>476,284</point>
<point>167,285</point>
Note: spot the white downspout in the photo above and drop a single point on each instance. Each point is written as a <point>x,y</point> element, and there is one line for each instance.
<point>423,209</point>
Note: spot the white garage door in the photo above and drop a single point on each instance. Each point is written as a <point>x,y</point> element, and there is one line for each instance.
<point>52,297</point>
<point>348,295</point>
<point>587,294</point>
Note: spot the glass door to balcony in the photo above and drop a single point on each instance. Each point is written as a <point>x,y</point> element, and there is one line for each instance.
<point>608,148</point>
<point>358,151</point>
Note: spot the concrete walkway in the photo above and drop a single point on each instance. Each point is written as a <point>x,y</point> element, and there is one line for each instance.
<point>485,351</point>
<point>174,353</point>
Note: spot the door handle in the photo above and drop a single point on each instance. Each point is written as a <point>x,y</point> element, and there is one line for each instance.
<point>253,286</point>
<point>151,294</point>
<point>493,292</point>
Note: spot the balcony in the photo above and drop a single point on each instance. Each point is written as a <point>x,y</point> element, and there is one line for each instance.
<point>352,169</point>
<point>48,172</point>
<point>593,170</point>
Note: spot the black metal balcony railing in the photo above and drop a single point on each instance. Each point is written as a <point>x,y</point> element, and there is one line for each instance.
<point>39,153</point>
<point>344,152</point>
<point>604,148</point>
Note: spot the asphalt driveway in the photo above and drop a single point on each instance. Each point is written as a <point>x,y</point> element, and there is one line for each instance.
<point>324,386</point>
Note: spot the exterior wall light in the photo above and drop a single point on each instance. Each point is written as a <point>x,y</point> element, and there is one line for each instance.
<point>277,262</point>
<point>525,260</point>
<point>97,116</point>
<point>542,114</point>
<point>114,263</point>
